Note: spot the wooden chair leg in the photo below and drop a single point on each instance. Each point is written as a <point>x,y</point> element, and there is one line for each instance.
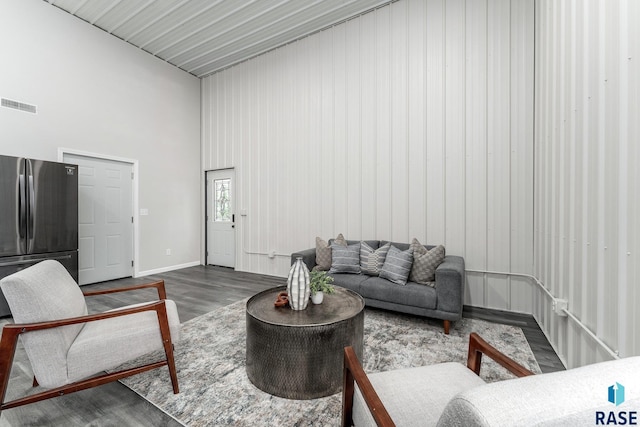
<point>165,332</point>
<point>447,325</point>
<point>8,344</point>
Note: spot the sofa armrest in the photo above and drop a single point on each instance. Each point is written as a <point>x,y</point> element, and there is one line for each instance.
<point>450,278</point>
<point>308,257</point>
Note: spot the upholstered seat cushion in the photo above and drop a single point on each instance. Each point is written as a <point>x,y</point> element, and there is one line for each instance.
<point>108,343</point>
<point>415,396</point>
<point>411,294</point>
<point>350,281</point>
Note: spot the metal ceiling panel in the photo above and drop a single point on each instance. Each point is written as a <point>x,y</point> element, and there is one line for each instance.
<point>241,29</point>
<point>183,13</point>
<point>147,17</point>
<point>212,22</point>
<point>204,36</point>
<point>120,14</point>
<point>90,11</point>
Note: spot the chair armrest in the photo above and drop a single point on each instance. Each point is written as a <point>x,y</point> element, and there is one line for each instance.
<point>450,278</point>
<point>478,346</point>
<point>308,257</point>
<point>353,372</point>
<point>159,285</point>
<point>20,328</point>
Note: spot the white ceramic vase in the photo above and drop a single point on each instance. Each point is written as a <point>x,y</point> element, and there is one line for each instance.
<point>298,285</point>
<point>317,298</point>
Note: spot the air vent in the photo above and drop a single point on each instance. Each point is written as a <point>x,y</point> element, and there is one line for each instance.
<point>19,106</point>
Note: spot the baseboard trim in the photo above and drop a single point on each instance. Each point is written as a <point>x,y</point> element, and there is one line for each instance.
<point>165,269</point>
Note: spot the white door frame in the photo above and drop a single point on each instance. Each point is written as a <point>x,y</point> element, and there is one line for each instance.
<point>206,212</point>
<point>134,162</point>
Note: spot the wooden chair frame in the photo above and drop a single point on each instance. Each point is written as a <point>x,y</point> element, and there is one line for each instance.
<point>11,332</point>
<point>353,373</point>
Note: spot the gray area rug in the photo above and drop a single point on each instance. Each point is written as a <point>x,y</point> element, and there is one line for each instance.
<point>215,390</point>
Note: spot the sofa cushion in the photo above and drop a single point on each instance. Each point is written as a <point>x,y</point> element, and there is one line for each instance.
<point>397,265</point>
<point>323,252</point>
<point>372,260</point>
<point>411,294</point>
<point>415,396</point>
<point>425,262</point>
<point>345,259</point>
<point>349,281</point>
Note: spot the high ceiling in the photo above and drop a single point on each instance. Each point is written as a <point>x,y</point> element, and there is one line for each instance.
<point>204,36</point>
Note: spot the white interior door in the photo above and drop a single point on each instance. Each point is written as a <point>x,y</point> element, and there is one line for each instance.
<point>105,218</point>
<point>221,235</point>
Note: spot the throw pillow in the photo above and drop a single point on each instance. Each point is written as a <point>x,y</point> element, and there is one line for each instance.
<point>323,255</point>
<point>323,252</point>
<point>425,263</point>
<point>397,265</point>
<point>340,240</point>
<point>371,261</point>
<point>345,259</point>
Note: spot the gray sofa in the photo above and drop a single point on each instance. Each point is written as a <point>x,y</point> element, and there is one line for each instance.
<point>442,302</point>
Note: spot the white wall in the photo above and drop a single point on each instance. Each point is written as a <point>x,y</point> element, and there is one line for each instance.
<point>98,94</point>
<point>587,233</point>
<point>415,120</point>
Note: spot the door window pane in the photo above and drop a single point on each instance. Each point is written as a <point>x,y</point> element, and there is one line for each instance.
<point>222,203</point>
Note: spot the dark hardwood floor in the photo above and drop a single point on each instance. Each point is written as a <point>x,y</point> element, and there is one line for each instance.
<point>196,291</point>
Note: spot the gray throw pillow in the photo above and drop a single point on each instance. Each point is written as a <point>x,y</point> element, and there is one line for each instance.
<point>425,263</point>
<point>371,261</point>
<point>345,259</point>
<point>323,252</point>
<point>323,255</point>
<point>397,265</point>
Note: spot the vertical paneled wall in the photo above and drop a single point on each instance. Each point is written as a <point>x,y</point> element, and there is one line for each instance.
<point>587,116</point>
<point>413,120</point>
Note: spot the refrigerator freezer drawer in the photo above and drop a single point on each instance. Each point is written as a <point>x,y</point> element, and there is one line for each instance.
<point>10,265</point>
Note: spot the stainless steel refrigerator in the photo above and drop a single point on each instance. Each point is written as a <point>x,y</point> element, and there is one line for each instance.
<point>38,216</point>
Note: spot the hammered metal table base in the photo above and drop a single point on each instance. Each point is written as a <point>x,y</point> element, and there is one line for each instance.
<point>299,354</point>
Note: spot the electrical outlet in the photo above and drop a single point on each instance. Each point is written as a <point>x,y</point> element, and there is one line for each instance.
<point>168,252</point>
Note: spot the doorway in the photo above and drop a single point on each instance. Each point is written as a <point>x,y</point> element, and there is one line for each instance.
<point>220,218</point>
<point>105,218</point>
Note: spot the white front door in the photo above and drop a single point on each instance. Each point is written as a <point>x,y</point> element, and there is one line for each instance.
<point>105,218</point>
<point>221,236</point>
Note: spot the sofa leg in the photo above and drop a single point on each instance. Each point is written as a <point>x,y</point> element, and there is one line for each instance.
<point>447,324</point>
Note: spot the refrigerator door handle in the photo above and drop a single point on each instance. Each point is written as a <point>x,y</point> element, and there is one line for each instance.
<point>32,260</point>
<point>22,206</point>
<point>32,206</point>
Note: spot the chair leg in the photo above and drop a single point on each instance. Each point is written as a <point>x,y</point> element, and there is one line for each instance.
<point>165,332</point>
<point>447,325</point>
<point>7,351</point>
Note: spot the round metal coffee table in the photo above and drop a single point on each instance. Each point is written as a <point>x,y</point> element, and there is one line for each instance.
<point>299,354</point>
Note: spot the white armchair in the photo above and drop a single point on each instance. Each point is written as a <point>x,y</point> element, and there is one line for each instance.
<point>67,347</point>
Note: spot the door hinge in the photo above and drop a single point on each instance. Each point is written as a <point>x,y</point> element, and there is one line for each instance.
<point>131,220</point>
<point>131,175</point>
<point>131,263</point>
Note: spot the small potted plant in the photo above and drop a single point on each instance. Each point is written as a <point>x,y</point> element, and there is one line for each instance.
<point>320,284</point>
